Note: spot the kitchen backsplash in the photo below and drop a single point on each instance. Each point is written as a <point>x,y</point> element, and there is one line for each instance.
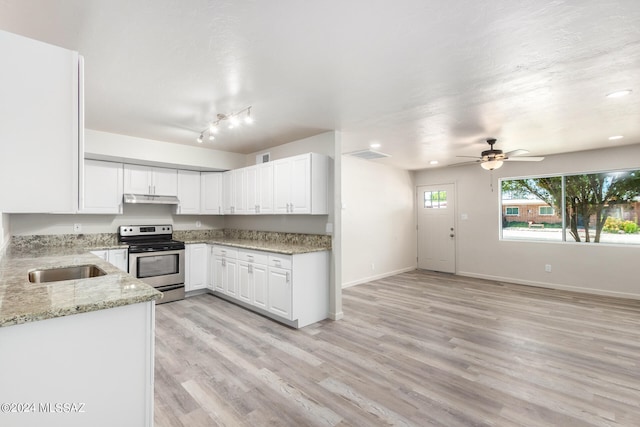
<point>273,236</point>
<point>67,240</point>
<point>111,239</point>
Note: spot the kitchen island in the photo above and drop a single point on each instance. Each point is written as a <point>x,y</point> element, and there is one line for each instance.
<point>74,352</point>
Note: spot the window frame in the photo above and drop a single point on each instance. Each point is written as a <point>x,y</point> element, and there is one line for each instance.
<point>564,233</point>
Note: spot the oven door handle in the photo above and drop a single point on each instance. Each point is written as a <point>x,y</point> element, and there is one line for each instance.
<point>169,287</point>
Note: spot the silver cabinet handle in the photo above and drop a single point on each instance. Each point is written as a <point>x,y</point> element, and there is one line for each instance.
<point>250,269</point>
<point>224,262</point>
<point>288,277</point>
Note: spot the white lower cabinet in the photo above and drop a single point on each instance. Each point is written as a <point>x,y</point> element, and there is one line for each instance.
<point>280,292</point>
<point>117,257</point>
<point>195,267</point>
<point>224,268</point>
<point>293,289</point>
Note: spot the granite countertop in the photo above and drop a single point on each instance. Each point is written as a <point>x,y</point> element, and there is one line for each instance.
<point>287,248</point>
<point>22,301</point>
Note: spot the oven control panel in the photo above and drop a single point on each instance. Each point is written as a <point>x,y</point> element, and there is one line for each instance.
<point>144,230</point>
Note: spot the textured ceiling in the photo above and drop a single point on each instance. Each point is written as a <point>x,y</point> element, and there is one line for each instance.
<point>428,80</point>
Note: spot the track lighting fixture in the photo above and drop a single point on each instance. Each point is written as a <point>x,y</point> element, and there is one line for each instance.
<point>234,120</point>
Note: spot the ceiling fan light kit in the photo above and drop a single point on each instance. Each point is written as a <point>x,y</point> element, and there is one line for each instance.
<point>493,158</point>
<point>491,164</point>
<point>234,120</point>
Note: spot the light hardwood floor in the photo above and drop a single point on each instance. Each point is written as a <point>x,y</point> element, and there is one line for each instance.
<point>416,349</point>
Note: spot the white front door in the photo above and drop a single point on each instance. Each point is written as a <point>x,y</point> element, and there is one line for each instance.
<point>436,227</point>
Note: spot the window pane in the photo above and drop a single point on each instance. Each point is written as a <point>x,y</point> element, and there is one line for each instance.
<point>435,199</point>
<point>427,199</point>
<point>603,207</point>
<point>525,207</point>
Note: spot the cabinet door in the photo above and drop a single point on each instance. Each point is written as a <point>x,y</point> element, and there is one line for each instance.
<point>280,295</point>
<point>300,179</point>
<point>40,101</point>
<point>240,191</point>
<point>211,259</point>
<point>196,264</point>
<point>260,286</point>
<point>231,277</point>
<point>165,182</point>
<point>281,185</point>
<point>119,258</point>
<point>211,193</point>
<point>252,190</point>
<point>188,192</point>
<point>244,281</point>
<point>102,187</point>
<point>265,188</point>
<point>219,273</point>
<point>137,179</point>
<point>227,192</point>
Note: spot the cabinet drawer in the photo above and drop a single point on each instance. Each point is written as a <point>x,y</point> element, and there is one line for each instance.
<point>225,251</point>
<point>280,261</point>
<point>253,256</point>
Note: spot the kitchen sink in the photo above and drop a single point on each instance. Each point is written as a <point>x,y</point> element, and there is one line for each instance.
<point>65,273</point>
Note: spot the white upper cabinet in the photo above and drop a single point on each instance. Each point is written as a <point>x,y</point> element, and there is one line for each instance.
<point>188,192</point>
<point>260,188</point>
<point>211,193</point>
<point>228,192</point>
<point>41,102</point>
<point>101,189</point>
<point>239,192</point>
<point>150,180</point>
<point>300,184</point>
<point>264,188</point>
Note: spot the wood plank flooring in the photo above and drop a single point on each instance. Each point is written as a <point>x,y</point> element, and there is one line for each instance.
<point>416,349</point>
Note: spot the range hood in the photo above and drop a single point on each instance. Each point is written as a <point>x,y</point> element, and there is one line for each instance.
<point>151,200</point>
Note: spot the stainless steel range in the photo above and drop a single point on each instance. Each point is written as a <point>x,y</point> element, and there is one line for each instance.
<point>155,258</point>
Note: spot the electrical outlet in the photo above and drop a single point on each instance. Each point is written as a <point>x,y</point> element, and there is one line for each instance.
<point>373,266</point>
<point>547,268</point>
<point>77,228</point>
<point>198,224</point>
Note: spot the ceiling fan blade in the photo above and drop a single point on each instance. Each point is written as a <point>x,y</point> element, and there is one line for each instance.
<point>524,159</point>
<point>465,163</point>
<point>469,157</point>
<point>518,152</point>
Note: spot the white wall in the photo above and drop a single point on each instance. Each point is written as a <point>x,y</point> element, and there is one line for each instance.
<point>110,146</point>
<point>378,221</point>
<point>27,224</point>
<point>322,144</point>
<point>595,268</point>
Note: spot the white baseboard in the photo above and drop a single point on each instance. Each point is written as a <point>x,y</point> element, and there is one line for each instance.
<point>377,277</point>
<point>558,286</point>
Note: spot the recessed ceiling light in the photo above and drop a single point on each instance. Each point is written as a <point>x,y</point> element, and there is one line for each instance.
<point>375,145</point>
<point>433,162</point>
<point>619,93</point>
<point>613,138</point>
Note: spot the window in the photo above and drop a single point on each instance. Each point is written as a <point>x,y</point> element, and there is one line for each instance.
<point>587,208</point>
<point>435,199</point>
<point>546,210</point>
<point>511,211</point>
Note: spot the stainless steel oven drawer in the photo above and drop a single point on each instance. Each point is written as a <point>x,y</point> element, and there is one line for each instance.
<point>170,293</point>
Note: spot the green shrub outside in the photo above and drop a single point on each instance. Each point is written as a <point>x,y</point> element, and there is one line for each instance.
<point>616,225</point>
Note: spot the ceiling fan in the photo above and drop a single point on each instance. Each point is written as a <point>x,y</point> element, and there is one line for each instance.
<point>492,158</point>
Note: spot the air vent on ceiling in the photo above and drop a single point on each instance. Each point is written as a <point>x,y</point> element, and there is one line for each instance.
<point>368,154</point>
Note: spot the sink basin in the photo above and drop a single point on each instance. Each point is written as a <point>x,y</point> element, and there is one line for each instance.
<point>65,273</point>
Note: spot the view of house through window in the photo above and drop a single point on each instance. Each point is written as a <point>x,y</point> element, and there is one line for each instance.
<point>596,208</point>
<point>435,199</point>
